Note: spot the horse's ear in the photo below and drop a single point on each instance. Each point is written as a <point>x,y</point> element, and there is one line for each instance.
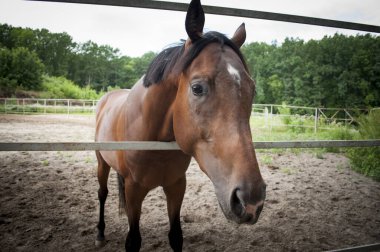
<point>195,20</point>
<point>239,36</point>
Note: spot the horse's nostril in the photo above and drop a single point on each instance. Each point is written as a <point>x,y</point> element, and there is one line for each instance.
<point>244,208</point>
<point>236,203</point>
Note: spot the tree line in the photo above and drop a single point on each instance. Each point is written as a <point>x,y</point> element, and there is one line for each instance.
<point>28,54</point>
<point>336,71</point>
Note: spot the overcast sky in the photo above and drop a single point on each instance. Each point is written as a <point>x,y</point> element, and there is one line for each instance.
<point>136,31</point>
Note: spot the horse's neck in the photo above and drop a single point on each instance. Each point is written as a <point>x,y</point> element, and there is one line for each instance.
<point>158,111</point>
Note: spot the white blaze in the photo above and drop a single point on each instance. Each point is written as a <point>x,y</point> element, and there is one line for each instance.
<point>234,73</point>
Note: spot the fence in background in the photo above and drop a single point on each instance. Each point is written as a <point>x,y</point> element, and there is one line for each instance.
<point>46,106</point>
<point>266,116</point>
<point>270,116</point>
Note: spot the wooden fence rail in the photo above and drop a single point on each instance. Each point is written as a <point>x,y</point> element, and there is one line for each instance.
<point>149,145</point>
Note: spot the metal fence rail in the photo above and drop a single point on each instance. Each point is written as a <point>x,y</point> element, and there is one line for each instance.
<point>364,248</point>
<point>162,5</point>
<point>150,145</point>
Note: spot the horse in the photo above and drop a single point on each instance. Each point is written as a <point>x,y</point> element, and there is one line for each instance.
<point>198,93</point>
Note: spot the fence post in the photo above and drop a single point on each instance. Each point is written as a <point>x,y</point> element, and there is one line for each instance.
<point>5,105</point>
<point>68,107</point>
<point>44,106</point>
<point>315,120</point>
<point>271,119</point>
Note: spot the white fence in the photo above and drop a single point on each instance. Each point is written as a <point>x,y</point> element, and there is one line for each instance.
<point>315,118</point>
<point>268,116</point>
<point>46,106</point>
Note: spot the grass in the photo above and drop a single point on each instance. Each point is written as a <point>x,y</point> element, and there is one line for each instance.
<point>266,159</point>
<point>288,170</point>
<point>45,162</point>
<point>88,159</point>
<point>275,130</point>
<point>319,153</point>
<point>367,160</point>
<point>291,128</point>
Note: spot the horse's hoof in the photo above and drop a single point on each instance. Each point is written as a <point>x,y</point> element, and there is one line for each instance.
<point>100,243</point>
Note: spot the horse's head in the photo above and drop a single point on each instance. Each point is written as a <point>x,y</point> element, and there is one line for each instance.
<point>211,116</point>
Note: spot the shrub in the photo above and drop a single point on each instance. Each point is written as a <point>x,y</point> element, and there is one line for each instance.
<point>62,88</point>
<point>19,68</point>
<point>367,160</point>
<point>7,87</point>
<point>285,114</point>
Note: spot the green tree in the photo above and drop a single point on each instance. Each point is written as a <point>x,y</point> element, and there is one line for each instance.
<point>337,71</point>
<point>20,68</point>
<point>7,86</point>
<point>26,68</point>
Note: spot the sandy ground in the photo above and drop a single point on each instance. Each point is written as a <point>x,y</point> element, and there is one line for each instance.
<point>48,200</point>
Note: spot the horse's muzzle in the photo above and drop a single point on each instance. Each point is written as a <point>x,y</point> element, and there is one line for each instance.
<point>245,209</point>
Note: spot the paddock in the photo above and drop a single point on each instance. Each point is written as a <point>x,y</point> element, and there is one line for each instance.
<point>314,202</point>
<point>49,201</point>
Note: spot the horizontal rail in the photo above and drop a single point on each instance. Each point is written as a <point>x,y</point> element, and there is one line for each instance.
<point>364,248</point>
<point>149,145</point>
<point>162,5</point>
<point>87,146</point>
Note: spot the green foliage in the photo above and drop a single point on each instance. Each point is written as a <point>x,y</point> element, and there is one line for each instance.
<point>8,87</point>
<point>339,132</point>
<point>87,64</point>
<point>60,87</point>
<point>337,71</point>
<point>20,68</point>
<point>26,68</point>
<point>367,160</point>
<point>286,117</point>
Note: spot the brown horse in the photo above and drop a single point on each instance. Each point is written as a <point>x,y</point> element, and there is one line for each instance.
<point>199,94</point>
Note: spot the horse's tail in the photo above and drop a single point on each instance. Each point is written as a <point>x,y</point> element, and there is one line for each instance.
<point>121,184</point>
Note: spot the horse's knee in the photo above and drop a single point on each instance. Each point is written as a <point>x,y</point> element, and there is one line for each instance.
<point>102,194</point>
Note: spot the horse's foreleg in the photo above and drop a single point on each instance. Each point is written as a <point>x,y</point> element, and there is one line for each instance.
<point>134,196</point>
<point>174,197</point>
<point>103,172</point>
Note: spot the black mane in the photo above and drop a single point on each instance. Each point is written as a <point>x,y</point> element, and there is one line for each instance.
<point>163,64</point>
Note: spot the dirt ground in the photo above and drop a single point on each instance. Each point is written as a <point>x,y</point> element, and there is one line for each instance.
<point>48,200</point>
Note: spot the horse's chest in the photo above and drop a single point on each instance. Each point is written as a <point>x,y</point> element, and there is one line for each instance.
<point>157,168</point>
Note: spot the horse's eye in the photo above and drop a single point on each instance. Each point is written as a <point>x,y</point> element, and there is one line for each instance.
<point>198,89</point>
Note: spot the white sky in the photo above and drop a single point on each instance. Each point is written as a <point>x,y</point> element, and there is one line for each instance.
<point>136,31</point>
